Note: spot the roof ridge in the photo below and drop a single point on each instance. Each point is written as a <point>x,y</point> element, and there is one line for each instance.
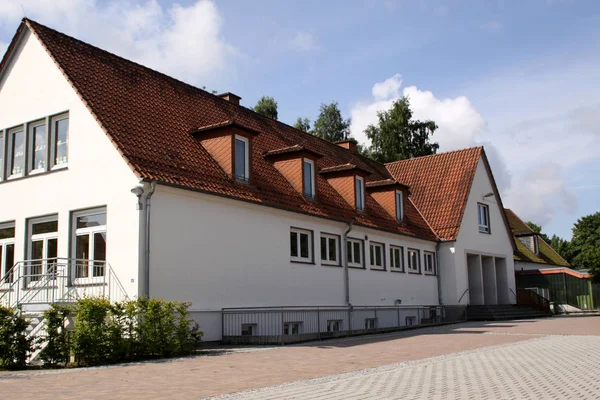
<point>434,155</point>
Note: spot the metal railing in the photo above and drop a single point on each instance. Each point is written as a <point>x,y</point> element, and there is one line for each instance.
<point>281,325</point>
<point>59,280</point>
<point>529,298</point>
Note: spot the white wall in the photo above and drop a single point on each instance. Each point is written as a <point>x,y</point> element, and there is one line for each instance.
<point>34,88</point>
<point>471,241</point>
<point>217,252</point>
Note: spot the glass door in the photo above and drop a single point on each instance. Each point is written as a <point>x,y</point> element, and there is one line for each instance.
<point>43,249</point>
<point>90,246</point>
<point>7,254</point>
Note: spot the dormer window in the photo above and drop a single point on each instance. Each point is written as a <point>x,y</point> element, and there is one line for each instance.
<point>536,246</point>
<point>399,206</point>
<point>309,178</point>
<point>242,159</point>
<point>359,192</point>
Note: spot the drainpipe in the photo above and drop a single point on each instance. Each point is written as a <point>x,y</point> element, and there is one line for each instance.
<point>147,241</point>
<point>437,264</point>
<point>346,274</point>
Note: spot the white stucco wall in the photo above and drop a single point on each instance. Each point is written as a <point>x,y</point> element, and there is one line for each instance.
<point>33,88</point>
<point>471,241</point>
<point>217,252</point>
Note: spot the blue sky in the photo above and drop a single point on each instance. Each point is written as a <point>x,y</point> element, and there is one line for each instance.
<point>520,77</point>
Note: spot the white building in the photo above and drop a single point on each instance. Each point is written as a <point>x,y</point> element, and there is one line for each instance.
<point>117,180</point>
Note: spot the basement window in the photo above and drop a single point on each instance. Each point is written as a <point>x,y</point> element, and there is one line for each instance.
<point>370,323</point>
<point>301,245</point>
<point>334,325</point>
<point>248,329</point>
<point>242,158</point>
<point>292,328</point>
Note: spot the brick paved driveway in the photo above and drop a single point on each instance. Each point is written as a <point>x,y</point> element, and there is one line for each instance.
<point>549,358</point>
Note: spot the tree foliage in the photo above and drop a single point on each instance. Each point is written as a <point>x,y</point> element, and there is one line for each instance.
<point>586,244</point>
<point>15,346</point>
<point>302,124</point>
<point>330,125</point>
<point>538,229</point>
<point>267,106</point>
<point>398,137</point>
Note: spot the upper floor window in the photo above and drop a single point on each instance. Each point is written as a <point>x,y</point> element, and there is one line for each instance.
<point>1,155</point>
<point>376,255</point>
<point>309,178</point>
<point>16,147</point>
<point>429,262</point>
<point>414,264</point>
<point>399,206</point>
<point>359,192</point>
<point>38,146</point>
<point>330,249</point>
<point>242,158</point>
<point>60,139</point>
<point>397,258</point>
<point>354,252</point>
<point>301,245</point>
<point>90,243</point>
<point>7,252</point>
<point>483,217</point>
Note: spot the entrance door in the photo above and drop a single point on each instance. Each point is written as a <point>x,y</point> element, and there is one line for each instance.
<point>43,248</point>
<point>90,245</point>
<point>7,254</point>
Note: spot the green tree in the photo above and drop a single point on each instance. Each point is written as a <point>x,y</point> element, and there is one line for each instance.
<point>302,124</point>
<point>330,125</point>
<point>586,244</point>
<point>267,106</point>
<point>562,247</point>
<point>398,137</point>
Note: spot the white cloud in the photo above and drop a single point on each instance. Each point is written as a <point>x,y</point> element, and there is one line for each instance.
<point>492,26</point>
<point>304,41</point>
<point>3,47</point>
<point>183,41</point>
<point>458,120</point>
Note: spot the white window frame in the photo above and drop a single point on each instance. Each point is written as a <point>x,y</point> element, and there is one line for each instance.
<point>90,278</point>
<point>369,322</point>
<point>483,228</point>
<point>327,237</point>
<point>429,268</point>
<point>393,257</point>
<point>44,238</point>
<point>411,268</point>
<point>53,140</point>
<point>373,259</point>
<point>298,258</point>
<point>331,323</point>
<point>9,152</point>
<point>359,197</point>
<point>4,243</point>
<point>399,206</point>
<point>3,152</point>
<point>246,141</point>
<point>31,169</point>
<point>312,193</point>
<point>253,329</point>
<point>536,245</point>
<point>353,264</point>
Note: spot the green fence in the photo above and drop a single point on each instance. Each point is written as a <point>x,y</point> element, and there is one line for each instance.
<point>565,289</point>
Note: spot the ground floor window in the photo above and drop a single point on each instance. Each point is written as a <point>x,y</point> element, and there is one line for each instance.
<point>334,325</point>
<point>414,264</point>
<point>370,323</point>
<point>7,252</point>
<point>397,258</point>
<point>248,329</point>
<point>90,243</point>
<point>43,247</point>
<point>429,262</point>
<point>292,328</point>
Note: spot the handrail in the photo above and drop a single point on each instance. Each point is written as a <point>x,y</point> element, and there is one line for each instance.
<point>463,295</point>
<point>56,279</point>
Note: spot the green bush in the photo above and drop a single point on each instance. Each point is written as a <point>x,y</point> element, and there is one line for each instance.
<point>57,349</point>
<point>14,343</point>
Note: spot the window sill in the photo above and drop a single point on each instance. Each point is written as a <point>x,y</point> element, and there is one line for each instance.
<point>378,269</point>
<point>486,233</point>
<point>397,270</point>
<point>19,177</point>
<point>326,264</point>
<point>356,266</point>
<point>429,274</point>
<point>302,262</point>
<point>415,272</point>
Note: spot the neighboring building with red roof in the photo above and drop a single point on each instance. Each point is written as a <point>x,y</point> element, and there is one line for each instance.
<point>122,181</point>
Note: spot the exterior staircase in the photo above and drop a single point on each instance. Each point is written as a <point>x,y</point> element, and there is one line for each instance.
<point>503,312</point>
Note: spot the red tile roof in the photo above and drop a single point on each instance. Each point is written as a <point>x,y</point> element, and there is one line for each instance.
<point>440,186</point>
<point>149,116</point>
